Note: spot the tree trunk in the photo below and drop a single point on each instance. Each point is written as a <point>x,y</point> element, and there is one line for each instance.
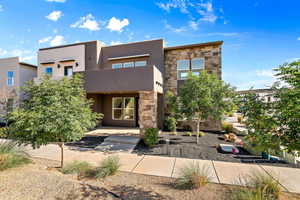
<point>61,145</point>
<point>197,131</point>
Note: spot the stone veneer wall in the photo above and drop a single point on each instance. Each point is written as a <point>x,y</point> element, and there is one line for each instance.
<point>212,57</point>
<point>147,110</point>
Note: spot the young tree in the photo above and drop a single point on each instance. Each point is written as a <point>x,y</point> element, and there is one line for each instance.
<point>287,107</point>
<point>55,111</point>
<point>205,96</point>
<point>172,110</point>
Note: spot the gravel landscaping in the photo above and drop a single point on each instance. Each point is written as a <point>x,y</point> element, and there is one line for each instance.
<point>183,145</point>
<point>41,181</point>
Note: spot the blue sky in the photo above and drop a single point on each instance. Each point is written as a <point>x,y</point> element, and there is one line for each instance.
<point>258,35</point>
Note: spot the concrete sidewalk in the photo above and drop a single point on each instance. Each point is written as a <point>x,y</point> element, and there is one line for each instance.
<point>220,172</point>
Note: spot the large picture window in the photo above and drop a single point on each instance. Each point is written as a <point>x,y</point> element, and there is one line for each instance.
<point>194,65</point>
<point>123,108</point>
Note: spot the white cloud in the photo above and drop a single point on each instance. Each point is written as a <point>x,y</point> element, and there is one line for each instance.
<point>173,29</point>
<point>225,34</point>
<point>115,24</point>
<point>2,52</point>
<point>298,38</point>
<point>46,39</point>
<point>207,12</point>
<point>57,40</point>
<point>193,25</point>
<point>27,58</point>
<point>87,22</point>
<point>1,8</point>
<point>55,15</point>
<point>58,1</point>
<point>182,5</point>
<point>266,73</point>
<point>115,42</point>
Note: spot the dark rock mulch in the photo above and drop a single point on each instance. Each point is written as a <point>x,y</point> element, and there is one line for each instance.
<point>185,146</point>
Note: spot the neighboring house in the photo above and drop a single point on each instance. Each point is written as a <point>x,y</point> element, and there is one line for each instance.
<point>13,75</point>
<point>127,82</point>
<point>267,95</point>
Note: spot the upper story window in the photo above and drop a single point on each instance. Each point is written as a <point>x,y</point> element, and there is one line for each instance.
<point>49,71</point>
<point>128,64</point>
<point>10,78</point>
<point>68,71</point>
<point>194,65</point>
<point>141,63</point>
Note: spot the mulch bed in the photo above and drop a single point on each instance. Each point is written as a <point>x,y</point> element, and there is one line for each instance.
<point>183,145</point>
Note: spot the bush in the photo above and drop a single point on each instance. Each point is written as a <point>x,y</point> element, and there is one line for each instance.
<point>189,134</point>
<point>4,132</point>
<point>201,134</point>
<point>151,136</point>
<point>227,127</point>
<point>264,187</point>
<point>170,124</point>
<point>240,119</point>
<point>193,176</point>
<point>11,155</point>
<point>108,167</point>
<point>77,167</point>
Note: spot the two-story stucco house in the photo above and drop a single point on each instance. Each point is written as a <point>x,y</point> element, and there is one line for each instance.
<point>127,82</point>
<point>13,75</point>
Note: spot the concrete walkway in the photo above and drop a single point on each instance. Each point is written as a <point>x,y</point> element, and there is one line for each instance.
<point>220,172</point>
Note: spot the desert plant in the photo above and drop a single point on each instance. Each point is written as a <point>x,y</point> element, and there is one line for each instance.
<point>151,136</point>
<point>11,155</point>
<point>108,167</point>
<point>170,124</point>
<point>239,119</point>
<point>259,186</point>
<point>189,134</point>
<point>200,133</point>
<point>227,127</point>
<point>193,176</point>
<point>77,167</point>
<point>4,132</point>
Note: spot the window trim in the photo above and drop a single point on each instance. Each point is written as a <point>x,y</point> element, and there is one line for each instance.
<point>179,71</point>
<point>10,79</point>
<point>123,109</point>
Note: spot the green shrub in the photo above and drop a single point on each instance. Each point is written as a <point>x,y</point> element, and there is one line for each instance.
<point>108,167</point>
<point>151,136</point>
<point>11,155</point>
<point>189,134</point>
<point>240,119</point>
<point>200,133</point>
<point>259,187</point>
<point>227,127</point>
<point>193,176</point>
<point>4,132</point>
<point>77,167</point>
<point>170,123</point>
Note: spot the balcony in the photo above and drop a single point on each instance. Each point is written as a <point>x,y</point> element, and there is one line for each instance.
<point>147,78</point>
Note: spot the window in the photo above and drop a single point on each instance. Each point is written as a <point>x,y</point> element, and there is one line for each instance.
<point>140,63</point>
<point>123,108</point>
<point>194,65</point>
<point>117,65</point>
<point>128,64</point>
<point>10,78</point>
<point>10,105</point>
<point>48,71</point>
<point>68,71</point>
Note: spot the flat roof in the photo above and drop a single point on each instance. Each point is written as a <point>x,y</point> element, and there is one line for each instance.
<point>68,45</point>
<point>27,64</point>
<point>194,45</point>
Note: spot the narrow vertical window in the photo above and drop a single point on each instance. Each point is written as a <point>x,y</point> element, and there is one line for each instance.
<point>10,78</point>
<point>68,71</point>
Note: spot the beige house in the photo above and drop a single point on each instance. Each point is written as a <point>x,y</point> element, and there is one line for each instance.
<point>13,75</point>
